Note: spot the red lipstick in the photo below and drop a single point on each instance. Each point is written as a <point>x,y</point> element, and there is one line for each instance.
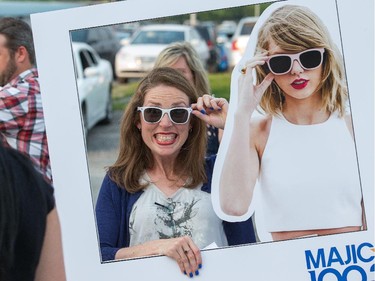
<point>299,84</point>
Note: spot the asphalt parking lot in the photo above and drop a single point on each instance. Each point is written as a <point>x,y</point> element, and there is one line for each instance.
<point>102,149</point>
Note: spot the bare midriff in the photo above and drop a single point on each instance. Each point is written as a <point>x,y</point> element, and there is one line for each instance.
<point>285,235</point>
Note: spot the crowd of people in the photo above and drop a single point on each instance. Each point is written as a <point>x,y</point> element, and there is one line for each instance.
<point>156,198</point>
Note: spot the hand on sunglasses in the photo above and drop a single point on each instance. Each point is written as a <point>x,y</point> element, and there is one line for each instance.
<point>249,95</point>
<point>259,59</point>
<point>211,110</point>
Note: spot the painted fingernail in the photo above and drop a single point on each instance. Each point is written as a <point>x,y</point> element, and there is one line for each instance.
<point>211,108</point>
<point>196,272</point>
<point>200,266</point>
<point>184,272</point>
<point>203,111</point>
<point>191,275</point>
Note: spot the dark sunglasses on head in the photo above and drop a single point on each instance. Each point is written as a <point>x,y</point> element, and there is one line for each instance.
<point>178,115</point>
<point>308,59</point>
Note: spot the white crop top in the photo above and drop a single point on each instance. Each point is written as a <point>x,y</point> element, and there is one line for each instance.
<point>309,177</point>
<point>187,212</point>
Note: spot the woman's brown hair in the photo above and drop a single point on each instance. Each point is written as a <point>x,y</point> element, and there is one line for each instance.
<point>135,157</point>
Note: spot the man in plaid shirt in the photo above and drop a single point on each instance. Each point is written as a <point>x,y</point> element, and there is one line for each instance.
<point>21,113</point>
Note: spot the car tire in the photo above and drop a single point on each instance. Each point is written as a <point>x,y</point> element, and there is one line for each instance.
<point>109,109</point>
<point>84,121</point>
<point>122,80</point>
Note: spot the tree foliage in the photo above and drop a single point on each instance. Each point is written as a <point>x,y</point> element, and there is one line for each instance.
<point>217,16</point>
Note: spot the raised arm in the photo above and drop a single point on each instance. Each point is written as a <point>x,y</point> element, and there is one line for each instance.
<point>241,165</point>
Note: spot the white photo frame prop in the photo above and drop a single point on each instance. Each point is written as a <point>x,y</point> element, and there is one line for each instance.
<point>336,257</point>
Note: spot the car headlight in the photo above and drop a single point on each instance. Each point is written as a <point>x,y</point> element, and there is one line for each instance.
<point>125,57</point>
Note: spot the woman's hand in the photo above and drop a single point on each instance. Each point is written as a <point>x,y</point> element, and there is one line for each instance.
<point>249,95</point>
<point>211,110</point>
<point>185,252</point>
<point>181,249</point>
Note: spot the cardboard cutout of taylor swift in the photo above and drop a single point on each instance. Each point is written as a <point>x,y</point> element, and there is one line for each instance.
<point>289,155</point>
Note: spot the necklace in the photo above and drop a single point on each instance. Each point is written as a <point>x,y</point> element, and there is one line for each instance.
<point>166,182</point>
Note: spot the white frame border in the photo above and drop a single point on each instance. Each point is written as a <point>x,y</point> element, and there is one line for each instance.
<point>69,164</point>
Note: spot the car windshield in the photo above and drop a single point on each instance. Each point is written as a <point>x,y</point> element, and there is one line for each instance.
<point>158,37</point>
<point>203,31</point>
<point>79,35</point>
<point>247,28</point>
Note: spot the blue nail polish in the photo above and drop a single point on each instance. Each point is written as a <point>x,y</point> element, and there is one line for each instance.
<point>203,111</point>
<point>200,266</point>
<point>211,108</point>
<point>191,275</point>
<point>196,272</point>
<point>184,272</point>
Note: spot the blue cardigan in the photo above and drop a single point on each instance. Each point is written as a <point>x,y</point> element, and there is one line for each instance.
<point>113,211</point>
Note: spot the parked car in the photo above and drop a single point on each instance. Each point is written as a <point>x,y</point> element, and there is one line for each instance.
<point>138,57</point>
<point>227,28</point>
<point>208,33</point>
<point>223,64</point>
<point>122,35</point>
<point>102,39</point>
<point>94,82</point>
<point>240,38</point>
<point>124,31</point>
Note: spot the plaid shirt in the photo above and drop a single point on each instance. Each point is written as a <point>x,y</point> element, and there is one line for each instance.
<point>22,120</point>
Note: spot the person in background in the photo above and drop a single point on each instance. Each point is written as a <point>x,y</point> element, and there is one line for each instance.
<point>30,236</point>
<point>183,57</point>
<point>302,151</point>
<point>155,199</point>
<point>21,113</point>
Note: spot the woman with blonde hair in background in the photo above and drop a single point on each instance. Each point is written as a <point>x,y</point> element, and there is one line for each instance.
<point>183,57</point>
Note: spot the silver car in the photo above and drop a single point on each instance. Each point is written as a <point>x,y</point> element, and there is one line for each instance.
<point>138,57</point>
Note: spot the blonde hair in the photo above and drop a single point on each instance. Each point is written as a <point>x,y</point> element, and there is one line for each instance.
<point>174,51</point>
<point>294,29</point>
<point>134,155</point>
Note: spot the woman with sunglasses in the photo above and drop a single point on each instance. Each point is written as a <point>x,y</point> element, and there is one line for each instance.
<point>302,150</point>
<point>155,198</point>
<point>183,57</point>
